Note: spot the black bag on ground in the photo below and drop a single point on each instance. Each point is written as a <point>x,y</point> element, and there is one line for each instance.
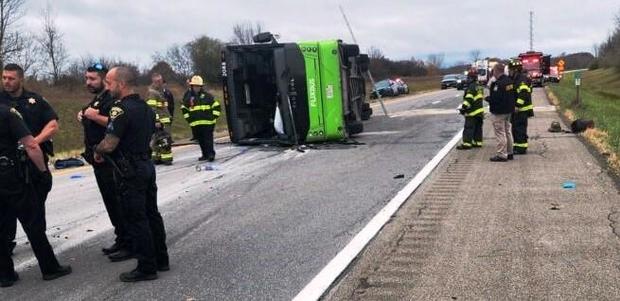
<point>66,163</point>
<point>581,125</point>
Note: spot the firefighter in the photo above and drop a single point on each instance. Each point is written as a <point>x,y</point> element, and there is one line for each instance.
<point>201,110</point>
<point>127,140</point>
<point>523,107</point>
<point>162,140</point>
<point>473,111</point>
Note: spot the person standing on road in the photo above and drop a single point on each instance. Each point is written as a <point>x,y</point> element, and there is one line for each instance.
<point>127,139</point>
<point>40,118</point>
<point>201,110</point>
<point>502,105</point>
<point>162,139</point>
<point>159,83</point>
<point>94,118</point>
<point>524,108</point>
<point>20,170</point>
<point>473,111</point>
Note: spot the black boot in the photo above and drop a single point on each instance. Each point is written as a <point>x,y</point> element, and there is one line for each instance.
<point>9,281</point>
<point>62,270</point>
<point>136,275</point>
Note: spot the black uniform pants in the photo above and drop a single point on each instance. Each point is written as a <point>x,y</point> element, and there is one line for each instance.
<point>145,225</point>
<point>104,174</point>
<point>472,132</point>
<point>204,134</point>
<point>29,208</point>
<point>519,131</point>
<point>40,192</point>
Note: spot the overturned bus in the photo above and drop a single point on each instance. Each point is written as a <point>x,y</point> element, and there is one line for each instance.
<point>294,93</point>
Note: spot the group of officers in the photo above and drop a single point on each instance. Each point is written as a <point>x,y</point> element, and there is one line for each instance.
<point>510,103</point>
<point>124,136</point>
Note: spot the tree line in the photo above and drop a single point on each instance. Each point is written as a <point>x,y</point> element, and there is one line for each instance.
<point>607,54</point>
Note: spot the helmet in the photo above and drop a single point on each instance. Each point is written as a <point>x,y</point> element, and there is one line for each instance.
<point>555,127</point>
<point>196,81</point>
<point>472,73</point>
<point>515,64</point>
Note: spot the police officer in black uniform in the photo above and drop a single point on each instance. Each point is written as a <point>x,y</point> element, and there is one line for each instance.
<point>94,117</point>
<point>39,116</point>
<point>18,198</point>
<point>127,139</point>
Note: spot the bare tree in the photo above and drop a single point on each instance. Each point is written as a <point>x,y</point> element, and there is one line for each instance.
<point>595,49</point>
<point>375,53</point>
<point>179,57</point>
<point>10,40</point>
<point>52,46</point>
<point>244,32</point>
<point>474,54</point>
<point>436,60</point>
<point>28,56</point>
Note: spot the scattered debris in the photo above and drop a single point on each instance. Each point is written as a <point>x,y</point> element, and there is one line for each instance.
<point>554,206</point>
<point>89,230</point>
<point>569,185</point>
<point>76,176</point>
<point>399,176</point>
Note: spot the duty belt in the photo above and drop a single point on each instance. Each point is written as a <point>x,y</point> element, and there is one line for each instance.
<point>6,162</point>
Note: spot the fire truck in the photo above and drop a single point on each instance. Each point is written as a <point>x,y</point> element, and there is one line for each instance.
<point>533,63</point>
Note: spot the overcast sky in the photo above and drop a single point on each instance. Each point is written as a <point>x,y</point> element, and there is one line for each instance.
<point>133,30</point>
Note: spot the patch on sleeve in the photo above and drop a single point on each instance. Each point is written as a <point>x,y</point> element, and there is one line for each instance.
<point>14,111</point>
<point>509,87</point>
<point>115,112</point>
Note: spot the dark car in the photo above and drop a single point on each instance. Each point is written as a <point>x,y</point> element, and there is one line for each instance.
<point>449,81</point>
<point>384,88</point>
<point>462,82</point>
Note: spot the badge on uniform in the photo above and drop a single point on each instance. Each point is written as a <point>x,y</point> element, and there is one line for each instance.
<point>96,104</point>
<point>509,87</point>
<point>32,101</point>
<point>12,110</point>
<point>115,112</point>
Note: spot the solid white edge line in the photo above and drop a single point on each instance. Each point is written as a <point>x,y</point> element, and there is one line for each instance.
<point>324,279</point>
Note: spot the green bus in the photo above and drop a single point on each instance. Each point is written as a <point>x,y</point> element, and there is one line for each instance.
<point>294,93</point>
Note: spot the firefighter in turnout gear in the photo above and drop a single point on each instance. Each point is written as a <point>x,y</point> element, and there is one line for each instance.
<point>473,111</point>
<point>162,139</point>
<point>201,110</point>
<point>523,107</point>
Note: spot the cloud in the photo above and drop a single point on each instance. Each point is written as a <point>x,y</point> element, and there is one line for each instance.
<point>134,30</point>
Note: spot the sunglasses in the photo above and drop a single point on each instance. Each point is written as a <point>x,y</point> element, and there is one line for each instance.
<point>97,67</point>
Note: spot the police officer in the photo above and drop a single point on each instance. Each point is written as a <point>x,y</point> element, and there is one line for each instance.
<point>94,118</point>
<point>524,108</point>
<point>473,111</point>
<point>19,200</point>
<point>39,116</point>
<point>127,139</point>
<point>201,110</point>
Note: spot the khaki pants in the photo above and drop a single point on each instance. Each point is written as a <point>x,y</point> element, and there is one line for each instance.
<point>503,134</point>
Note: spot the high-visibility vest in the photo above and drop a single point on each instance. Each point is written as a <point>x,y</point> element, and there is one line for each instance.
<point>200,108</point>
<point>472,100</point>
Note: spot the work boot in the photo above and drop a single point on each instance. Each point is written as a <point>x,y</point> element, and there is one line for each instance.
<point>121,255</point>
<point>164,267</point>
<point>519,151</point>
<point>463,146</point>
<point>136,275</point>
<point>62,270</point>
<point>211,159</point>
<point>167,163</point>
<point>111,249</point>
<point>202,158</point>
<point>511,157</point>
<point>498,159</point>
<point>9,281</point>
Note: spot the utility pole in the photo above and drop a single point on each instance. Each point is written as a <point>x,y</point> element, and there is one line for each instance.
<point>531,31</point>
<point>372,80</point>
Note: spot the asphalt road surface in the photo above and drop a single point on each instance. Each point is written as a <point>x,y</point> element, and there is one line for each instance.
<point>258,227</point>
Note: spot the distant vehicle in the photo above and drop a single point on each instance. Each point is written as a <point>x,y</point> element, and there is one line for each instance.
<point>449,81</point>
<point>532,62</point>
<point>554,75</point>
<point>462,82</point>
<point>401,86</point>
<point>482,67</point>
<point>386,87</point>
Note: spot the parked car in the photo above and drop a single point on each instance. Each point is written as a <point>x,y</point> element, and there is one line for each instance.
<point>386,87</point>
<point>462,82</point>
<point>402,87</point>
<point>449,81</point>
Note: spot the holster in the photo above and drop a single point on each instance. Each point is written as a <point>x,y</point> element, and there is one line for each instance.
<point>123,165</point>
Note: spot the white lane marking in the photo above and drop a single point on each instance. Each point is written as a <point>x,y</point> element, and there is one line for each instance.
<point>378,133</point>
<point>436,102</point>
<point>324,279</point>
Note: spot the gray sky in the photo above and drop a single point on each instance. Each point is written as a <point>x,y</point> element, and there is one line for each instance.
<point>133,30</point>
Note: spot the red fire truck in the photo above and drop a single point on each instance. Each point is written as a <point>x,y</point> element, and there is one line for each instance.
<point>533,63</point>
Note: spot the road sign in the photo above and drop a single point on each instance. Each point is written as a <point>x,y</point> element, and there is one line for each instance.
<point>577,81</point>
